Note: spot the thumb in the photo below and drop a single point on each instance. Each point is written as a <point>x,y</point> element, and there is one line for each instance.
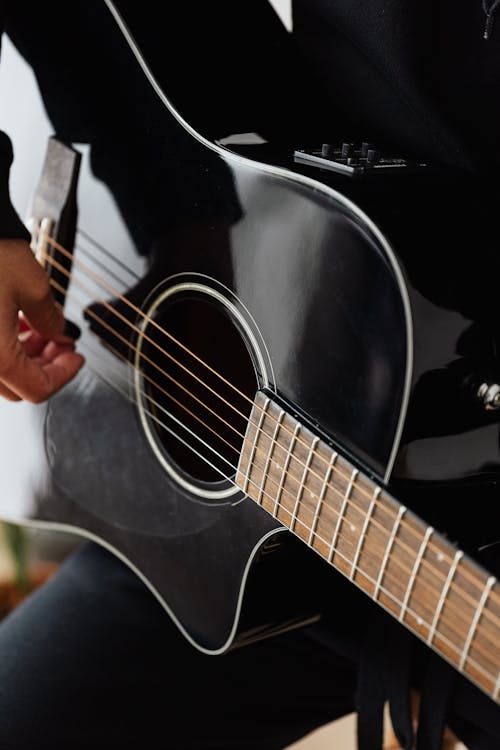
<point>39,307</point>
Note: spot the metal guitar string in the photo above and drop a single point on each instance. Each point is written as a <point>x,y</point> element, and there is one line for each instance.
<point>434,630</point>
<point>154,83</point>
<point>170,415</point>
<point>149,379</point>
<point>115,312</point>
<point>391,596</point>
<point>136,309</point>
<point>107,253</point>
<point>464,595</point>
<point>388,574</point>
<point>85,251</point>
<point>109,307</point>
<point>341,537</point>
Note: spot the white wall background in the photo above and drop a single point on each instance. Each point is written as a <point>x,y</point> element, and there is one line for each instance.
<point>283,8</point>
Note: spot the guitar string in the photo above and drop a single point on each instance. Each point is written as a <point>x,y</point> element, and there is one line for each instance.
<point>147,318</point>
<point>465,595</point>
<point>154,383</point>
<point>104,251</point>
<point>163,426</point>
<point>374,523</point>
<point>169,414</point>
<point>408,610</point>
<point>61,268</point>
<point>103,283</point>
<point>265,477</point>
<point>485,652</point>
<point>85,251</point>
<point>168,335</point>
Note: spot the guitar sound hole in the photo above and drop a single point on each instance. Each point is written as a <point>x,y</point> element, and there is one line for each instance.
<point>198,419</point>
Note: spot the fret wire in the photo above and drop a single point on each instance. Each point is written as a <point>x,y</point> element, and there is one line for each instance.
<point>341,514</point>
<point>255,404</point>
<point>355,567</point>
<point>414,572</point>
<point>302,482</point>
<point>312,528</point>
<point>468,575</point>
<point>254,443</point>
<point>324,487</point>
<point>470,635</point>
<point>311,448</point>
<point>484,671</point>
<point>363,532</point>
<point>343,476</point>
<point>496,691</point>
<point>247,478</point>
<point>285,468</point>
<point>388,549</point>
<point>377,584</point>
<point>444,594</point>
<point>313,533</point>
<point>269,455</point>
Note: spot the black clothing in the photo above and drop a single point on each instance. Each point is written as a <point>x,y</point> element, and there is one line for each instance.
<point>92,660</point>
<point>415,76</point>
<point>11,226</point>
<point>94,643</point>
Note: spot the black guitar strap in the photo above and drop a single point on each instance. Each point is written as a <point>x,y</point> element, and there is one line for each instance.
<point>384,675</point>
<point>399,646</point>
<point>437,686</point>
<point>390,662</point>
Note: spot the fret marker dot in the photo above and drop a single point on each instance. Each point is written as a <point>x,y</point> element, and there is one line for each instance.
<point>312,495</point>
<point>420,621</point>
<point>278,466</point>
<point>352,527</point>
<point>440,557</point>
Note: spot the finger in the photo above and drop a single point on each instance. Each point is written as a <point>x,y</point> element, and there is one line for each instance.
<point>35,381</point>
<point>40,310</point>
<point>37,347</point>
<point>34,342</point>
<point>50,351</point>
<point>8,394</point>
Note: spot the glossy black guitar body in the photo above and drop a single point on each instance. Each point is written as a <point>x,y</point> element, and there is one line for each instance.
<point>351,301</point>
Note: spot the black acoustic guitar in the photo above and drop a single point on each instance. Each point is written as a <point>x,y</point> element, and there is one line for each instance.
<point>291,363</point>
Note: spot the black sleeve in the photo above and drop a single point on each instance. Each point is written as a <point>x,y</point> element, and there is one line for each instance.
<point>11,226</point>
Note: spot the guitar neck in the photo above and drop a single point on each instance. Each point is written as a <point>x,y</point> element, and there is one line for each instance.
<point>413,572</point>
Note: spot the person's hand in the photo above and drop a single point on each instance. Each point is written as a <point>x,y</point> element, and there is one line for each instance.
<point>36,357</point>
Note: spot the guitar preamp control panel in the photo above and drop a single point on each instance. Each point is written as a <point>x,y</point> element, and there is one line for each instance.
<point>356,160</point>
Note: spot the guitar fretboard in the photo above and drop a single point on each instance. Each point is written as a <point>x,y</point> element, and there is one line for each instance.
<point>412,571</point>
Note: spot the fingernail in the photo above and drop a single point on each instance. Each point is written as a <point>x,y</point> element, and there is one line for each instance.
<point>71,329</point>
<point>23,336</point>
